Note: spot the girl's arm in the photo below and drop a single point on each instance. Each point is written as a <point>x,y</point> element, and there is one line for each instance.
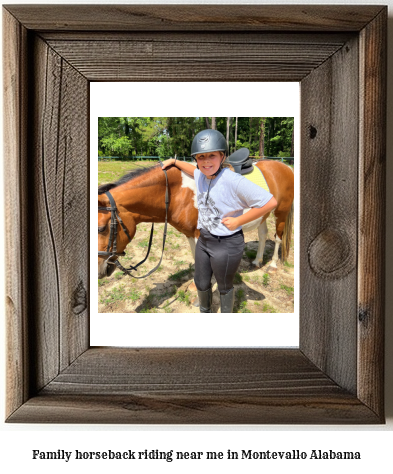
<point>182,165</point>
<point>254,213</point>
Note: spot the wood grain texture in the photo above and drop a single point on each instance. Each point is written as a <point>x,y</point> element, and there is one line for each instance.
<point>328,249</point>
<point>52,375</point>
<point>59,182</point>
<point>195,17</point>
<point>372,208</point>
<point>14,77</point>
<point>193,386</point>
<point>201,37</point>
<point>189,60</point>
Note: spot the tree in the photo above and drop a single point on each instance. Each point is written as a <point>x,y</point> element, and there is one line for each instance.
<point>229,119</point>
<point>236,133</point>
<point>262,138</point>
<point>167,136</point>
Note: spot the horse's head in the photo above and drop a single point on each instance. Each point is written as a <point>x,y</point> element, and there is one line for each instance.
<point>112,243</point>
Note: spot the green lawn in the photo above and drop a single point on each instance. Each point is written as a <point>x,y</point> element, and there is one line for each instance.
<point>110,171</point>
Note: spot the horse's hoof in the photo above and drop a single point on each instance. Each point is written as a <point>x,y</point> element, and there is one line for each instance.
<point>257,263</point>
<point>272,269</point>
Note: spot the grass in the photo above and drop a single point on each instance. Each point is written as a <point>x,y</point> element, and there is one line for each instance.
<point>266,279</point>
<point>166,307</point>
<point>143,243</point>
<point>184,297</point>
<point>243,308</point>
<point>240,305</point>
<point>109,171</point>
<point>148,310</point>
<point>289,289</point>
<point>267,308</point>
<point>238,278</point>
<point>119,293</point>
<point>181,273</point>
<point>251,254</point>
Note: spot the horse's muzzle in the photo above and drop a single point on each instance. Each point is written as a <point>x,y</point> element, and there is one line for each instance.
<point>105,269</point>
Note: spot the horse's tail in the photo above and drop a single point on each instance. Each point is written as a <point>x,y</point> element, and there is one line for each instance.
<point>287,236</point>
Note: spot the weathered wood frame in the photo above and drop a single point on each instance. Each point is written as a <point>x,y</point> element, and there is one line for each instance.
<point>338,53</point>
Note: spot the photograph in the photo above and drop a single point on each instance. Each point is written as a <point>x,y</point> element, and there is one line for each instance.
<point>196,214</point>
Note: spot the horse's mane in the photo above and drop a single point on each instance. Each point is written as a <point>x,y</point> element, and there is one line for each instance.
<point>125,179</point>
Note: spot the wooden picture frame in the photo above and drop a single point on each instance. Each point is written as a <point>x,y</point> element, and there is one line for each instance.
<point>338,54</point>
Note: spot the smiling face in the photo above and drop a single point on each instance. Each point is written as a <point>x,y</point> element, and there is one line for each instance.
<point>209,162</point>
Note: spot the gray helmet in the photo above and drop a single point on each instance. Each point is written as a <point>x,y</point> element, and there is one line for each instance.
<point>207,141</point>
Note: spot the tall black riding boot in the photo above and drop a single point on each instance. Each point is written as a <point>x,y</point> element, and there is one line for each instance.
<point>205,301</point>
<point>227,301</point>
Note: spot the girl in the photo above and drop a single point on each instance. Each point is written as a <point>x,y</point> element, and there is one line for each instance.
<point>222,195</point>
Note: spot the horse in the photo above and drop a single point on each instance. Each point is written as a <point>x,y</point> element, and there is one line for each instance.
<point>139,196</point>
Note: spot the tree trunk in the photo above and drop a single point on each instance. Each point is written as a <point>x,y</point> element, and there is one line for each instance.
<point>236,134</point>
<point>228,130</point>
<point>262,139</point>
<point>126,127</point>
<point>207,122</point>
<point>292,143</point>
<point>214,125</point>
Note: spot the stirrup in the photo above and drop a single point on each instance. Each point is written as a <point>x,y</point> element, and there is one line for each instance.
<point>227,301</point>
<point>205,301</point>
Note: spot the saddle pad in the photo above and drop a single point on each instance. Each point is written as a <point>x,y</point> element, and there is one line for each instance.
<point>256,176</point>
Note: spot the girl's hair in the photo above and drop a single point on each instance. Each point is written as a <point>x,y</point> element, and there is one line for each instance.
<point>226,164</point>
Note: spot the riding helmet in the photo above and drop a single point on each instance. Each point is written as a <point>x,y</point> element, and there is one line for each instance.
<point>207,141</point>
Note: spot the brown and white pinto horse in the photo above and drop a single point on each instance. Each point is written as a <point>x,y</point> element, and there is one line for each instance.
<point>140,197</point>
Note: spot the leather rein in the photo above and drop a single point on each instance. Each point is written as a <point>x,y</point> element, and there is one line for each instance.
<point>112,243</point>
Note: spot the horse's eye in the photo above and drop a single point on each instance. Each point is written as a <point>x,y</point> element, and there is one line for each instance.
<point>101,229</point>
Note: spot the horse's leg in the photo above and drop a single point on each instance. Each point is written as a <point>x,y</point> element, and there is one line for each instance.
<point>262,235</point>
<point>273,264</point>
<point>192,241</point>
<point>280,224</point>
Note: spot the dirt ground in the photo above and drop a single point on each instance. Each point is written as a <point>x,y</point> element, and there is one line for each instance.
<point>170,289</point>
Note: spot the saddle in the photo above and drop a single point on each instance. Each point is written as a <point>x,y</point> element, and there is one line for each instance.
<point>241,161</point>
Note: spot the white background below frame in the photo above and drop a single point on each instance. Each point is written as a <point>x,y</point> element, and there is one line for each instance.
<point>181,99</point>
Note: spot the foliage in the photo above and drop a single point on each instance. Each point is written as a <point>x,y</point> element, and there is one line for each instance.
<point>167,136</point>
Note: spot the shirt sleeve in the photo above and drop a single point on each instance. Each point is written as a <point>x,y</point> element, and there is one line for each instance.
<point>252,195</point>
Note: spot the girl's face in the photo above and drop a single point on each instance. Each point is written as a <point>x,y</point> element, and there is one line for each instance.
<point>209,162</point>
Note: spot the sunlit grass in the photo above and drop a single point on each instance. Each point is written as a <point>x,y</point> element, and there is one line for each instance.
<point>110,171</point>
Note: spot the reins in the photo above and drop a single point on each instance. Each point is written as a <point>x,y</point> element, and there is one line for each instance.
<point>112,243</point>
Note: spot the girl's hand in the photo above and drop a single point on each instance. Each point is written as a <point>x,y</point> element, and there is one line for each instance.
<point>167,163</point>
<point>230,223</point>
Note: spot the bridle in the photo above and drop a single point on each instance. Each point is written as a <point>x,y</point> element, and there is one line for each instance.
<point>111,250</point>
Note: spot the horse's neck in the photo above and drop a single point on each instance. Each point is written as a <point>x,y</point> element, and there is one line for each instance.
<point>144,197</point>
